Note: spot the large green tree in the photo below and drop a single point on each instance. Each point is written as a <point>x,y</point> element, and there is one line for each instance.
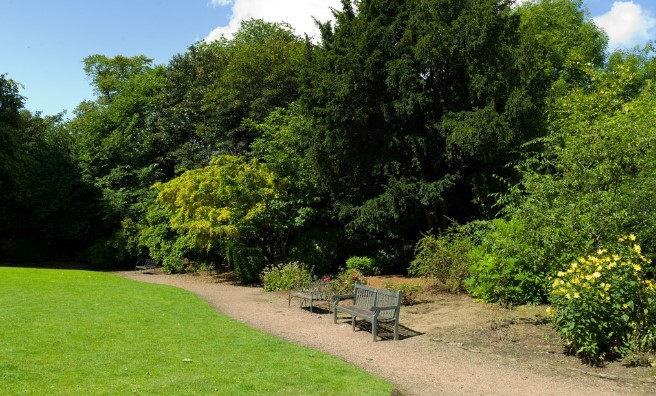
<point>47,211</point>
<point>557,38</point>
<point>417,105</point>
<point>114,145</point>
<point>211,89</point>
<point>11,160</point>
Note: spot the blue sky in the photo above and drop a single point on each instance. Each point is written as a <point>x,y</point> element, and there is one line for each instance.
<point>42,42</point>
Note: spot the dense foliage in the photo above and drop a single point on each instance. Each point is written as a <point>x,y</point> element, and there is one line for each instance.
<point>500,141</point>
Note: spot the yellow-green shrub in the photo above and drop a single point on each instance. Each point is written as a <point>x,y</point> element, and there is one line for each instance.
<point>604,303</point>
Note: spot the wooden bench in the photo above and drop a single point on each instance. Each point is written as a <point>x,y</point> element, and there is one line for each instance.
<point>311,292</point>
<point>146,264</point>
<point>372,305</point>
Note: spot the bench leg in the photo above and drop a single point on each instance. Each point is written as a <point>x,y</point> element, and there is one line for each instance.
<point>374,329</point>
<point>353,323</point>
<point>396,330</point>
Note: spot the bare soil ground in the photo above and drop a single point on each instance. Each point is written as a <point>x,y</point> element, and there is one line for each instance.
<point>450,345</point>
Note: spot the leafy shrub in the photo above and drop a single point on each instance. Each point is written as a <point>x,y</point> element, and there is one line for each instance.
<point>604,304</point>
<point>173,265</point>
<point>247,261</point>
<point>344,282</point>
<point>409,292</point>
<point>365,265</point>
<point>444,257</point>
<point>504,267</point>
<point>285,276</point>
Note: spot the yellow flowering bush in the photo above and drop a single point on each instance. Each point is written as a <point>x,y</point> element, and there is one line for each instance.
<point>604,303</point>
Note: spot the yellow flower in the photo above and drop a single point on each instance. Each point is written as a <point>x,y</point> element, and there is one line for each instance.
<point>576,295</point>
<point>596,274</point>
<point>607,298</point>
<point>625,306</point>
<point>637,249</point>
<point>637,267</point>
<point>616,257</point>
<point>561,274</point>
<point>632,237</point>
<point>607,286</point>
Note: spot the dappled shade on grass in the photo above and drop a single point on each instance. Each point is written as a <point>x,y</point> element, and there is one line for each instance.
<point>77,332</point>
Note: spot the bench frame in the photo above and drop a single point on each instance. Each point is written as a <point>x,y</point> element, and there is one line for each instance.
<point>372,305</point>
<point>146,264</point>
<point>311,292</point>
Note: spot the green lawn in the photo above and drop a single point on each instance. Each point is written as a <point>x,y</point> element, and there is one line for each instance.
<point>87,333</point>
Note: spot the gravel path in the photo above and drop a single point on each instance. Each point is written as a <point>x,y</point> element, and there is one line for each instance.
<point>414,364</point>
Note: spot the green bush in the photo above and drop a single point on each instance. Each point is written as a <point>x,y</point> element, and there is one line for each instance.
<point>248,262</point>
<point>285,276</point>
<point>504,267</point>
<point>173,265</point>
<point>365,265</point>
<point>604,304</point>
<point>444,257</point>
<point>409,293</point>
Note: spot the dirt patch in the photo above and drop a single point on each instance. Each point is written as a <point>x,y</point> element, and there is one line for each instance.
<point>449,344</point>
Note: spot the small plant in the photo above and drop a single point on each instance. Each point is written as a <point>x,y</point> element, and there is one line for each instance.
<point>604,304</point>
<point>444,257</point>
<point>284,276</point>
<point>344,282</point>
<point>409,292</point>
<point>365,265</point>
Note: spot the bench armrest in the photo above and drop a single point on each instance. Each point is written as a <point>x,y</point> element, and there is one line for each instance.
<point>343,297</point>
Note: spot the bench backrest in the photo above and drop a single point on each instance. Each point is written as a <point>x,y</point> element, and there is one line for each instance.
<point>320,289</point>
<point>368,297</point>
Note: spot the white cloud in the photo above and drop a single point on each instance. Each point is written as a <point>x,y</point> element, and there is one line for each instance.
<point>298,13</point>
<point>627,25</point>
